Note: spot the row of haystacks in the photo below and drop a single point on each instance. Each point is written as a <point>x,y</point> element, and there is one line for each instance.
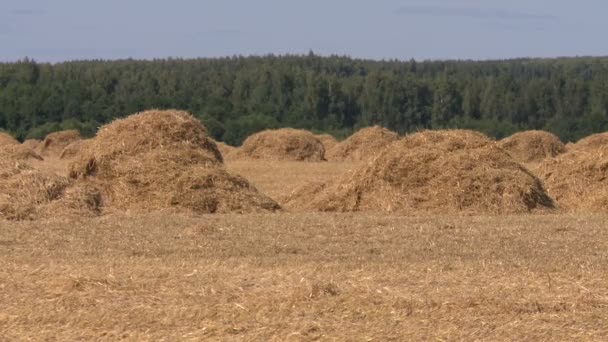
<point>154,160</point>
<point>288,144</point>
<point>165,160</point>
<point>455,171</point>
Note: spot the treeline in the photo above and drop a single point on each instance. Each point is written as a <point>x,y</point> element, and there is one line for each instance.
<point>237,96</point>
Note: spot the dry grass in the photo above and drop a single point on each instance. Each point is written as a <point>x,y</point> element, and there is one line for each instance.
<point>305,277</point>
<point>285,144</point>
<point>278,179</point>
<point>54,143</point>
<point>452,171</point>
<point>364,144</point>
<point>285,276</point>
<point>577,179</point>
<point>530,147</point>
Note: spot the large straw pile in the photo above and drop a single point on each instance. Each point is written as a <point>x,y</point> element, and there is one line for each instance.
<point>362,145</point>
<point>282,144</point>
<point>432,172</point>
<point>54,143</point>
<point>578,179</point>
<point>159,160</point>
<point>532,146</point>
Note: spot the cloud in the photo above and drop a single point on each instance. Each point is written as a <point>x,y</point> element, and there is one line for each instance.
<point>478,13</point>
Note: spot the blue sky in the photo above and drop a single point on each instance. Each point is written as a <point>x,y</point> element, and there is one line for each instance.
<point>58,30</point>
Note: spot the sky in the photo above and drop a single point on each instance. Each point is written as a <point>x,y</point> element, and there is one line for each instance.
<point>61,30</point>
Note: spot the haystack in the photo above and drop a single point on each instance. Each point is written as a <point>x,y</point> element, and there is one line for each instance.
<point>362,145</point>
<point>54,143</point>
<point>74,149</point>
<point>25,190</point>
<point>591,142</point>
<point>158,160</point>
<point>578,179</point>
<point>283,144</point>
<point>532,146</point>
<point>327,140</point>
<point>431,172</point>
<point>6,139</point>
<point>226,150</point>
<point>33,144</point>
<point>18,152</point>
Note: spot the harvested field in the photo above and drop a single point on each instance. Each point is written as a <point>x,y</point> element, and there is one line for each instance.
<point>532,146</point>
<point>362,145</point>
<point>125,249</point>
<point>433,171</point>
<point>577,179</point>
<point>278,179</point>
<point>286,144</point>
<point>305,277</point>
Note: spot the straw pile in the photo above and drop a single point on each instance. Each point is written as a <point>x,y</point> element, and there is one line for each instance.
<point>24,190</point>
<point>532,146</point>
<point>327,140</point>
<point>282,144</point>
<point>33,144</point>
<point>54,143</point>
<point>362,145</point>
<point>577,179</point>
<point>226,150</point>
<point>591,142</point>
<point>432,172</point>
<point>74,149</point>
<point>158,160</point>
<point>6,140</point>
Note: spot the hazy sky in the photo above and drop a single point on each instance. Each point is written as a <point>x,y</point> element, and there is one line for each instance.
<point>57,30</point>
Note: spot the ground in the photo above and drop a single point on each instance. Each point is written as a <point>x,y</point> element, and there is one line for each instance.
<point>304,276</point>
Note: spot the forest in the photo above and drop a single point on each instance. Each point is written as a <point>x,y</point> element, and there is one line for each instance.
<point>237,96</point>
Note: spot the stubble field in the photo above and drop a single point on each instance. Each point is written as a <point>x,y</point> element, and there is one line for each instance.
<point>304,276</point>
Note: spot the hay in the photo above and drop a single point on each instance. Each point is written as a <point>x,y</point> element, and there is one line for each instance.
<point>431,172</point>
<point>74,149</point>
<point>24,190</point>
<point>327,140</point>
<point>577,179</point>
<point>532,146</point>
<point>163,160</point>
<point>33,144</point>
<point>226,150</point>
<point>18,152</point>
<point>6,139</point>
<point>591,142</point>
<point>362,145</point>
<point>54,143</point>
<point>286,144</point>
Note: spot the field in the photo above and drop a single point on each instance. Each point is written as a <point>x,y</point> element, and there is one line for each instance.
<point>304,276</point>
